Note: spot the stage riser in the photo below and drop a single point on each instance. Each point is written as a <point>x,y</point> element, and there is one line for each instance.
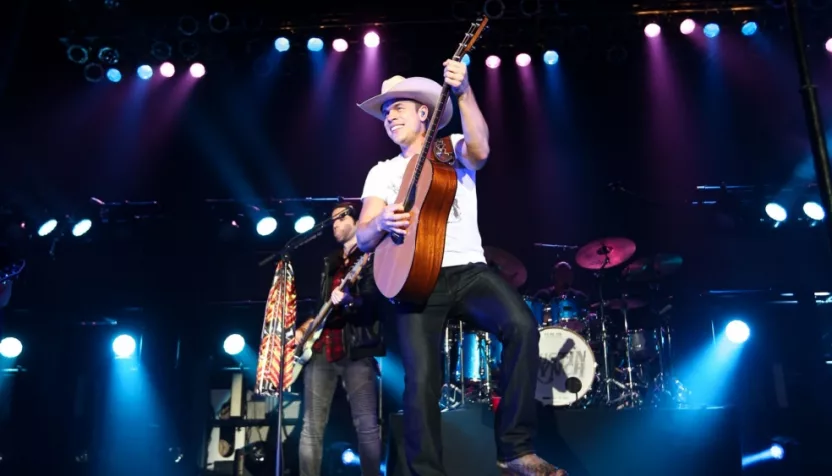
<point>594,442</point>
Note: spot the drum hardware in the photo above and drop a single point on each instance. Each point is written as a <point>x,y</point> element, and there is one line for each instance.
<point>600,255</point>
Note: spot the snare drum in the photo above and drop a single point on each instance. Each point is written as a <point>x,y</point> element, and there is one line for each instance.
<point>564,355</point>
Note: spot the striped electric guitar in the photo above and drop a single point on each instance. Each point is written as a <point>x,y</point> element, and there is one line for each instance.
<point>303,351</point>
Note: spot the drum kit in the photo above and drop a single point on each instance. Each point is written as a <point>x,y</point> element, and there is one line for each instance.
<point>614,351</point>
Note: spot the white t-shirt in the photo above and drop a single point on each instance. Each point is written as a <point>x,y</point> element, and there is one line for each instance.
<point>463,244</point>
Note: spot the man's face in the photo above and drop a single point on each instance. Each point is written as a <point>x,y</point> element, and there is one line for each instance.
<point>343,228</point>
<point>403,122</point>
<point>562,275</point>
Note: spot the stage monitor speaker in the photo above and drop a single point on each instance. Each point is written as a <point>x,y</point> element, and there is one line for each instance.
<point>593,442</point>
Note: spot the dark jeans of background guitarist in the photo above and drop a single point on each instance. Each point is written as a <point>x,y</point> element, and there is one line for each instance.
<point>360,382</point>
<point>481,298</point>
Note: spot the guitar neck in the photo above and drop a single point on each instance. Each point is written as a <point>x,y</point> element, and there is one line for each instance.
<point>320,317</point>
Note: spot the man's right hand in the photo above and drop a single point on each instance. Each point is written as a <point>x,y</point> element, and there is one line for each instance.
<point>393,219</point>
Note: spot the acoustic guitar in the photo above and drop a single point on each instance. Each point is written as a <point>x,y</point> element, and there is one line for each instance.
<point>303,351</point>
<point>406,267</point>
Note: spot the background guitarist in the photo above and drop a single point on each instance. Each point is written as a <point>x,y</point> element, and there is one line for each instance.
<point>345,349</point>
<point>466,288</point>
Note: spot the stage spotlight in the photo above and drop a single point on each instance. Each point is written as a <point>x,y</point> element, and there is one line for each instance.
<point>776,451</point>
<point>93,72</point>
<point>340,45</point>
<point>371,40</point>
<point>349,458</point>
<point>749,28</point>
<point>114,75</point>
<point>829,45</point>
<point>814,211</point>
<point>551,57</point>
<point>315,44</point>
<point>197,70</point>
<point>234,344</point>
<point>10,347</point>
<point>48,227</point>
<point>711,30</point>
<point>266,226</point>
<point>737,332</point>
<point>108,55</point>
<point>77,54</point>
<point>304,224</point>
<point>218,22</point>
<point>523,60</point>
<point>167,70</point>
<point>652,30</point>
<point>124,346</point>
<point>687,26</point>
<point>281,44</point>
<point>776,212</point>
<point>466,60</point>
<point>492,62</point>
<point>145,72</point>
<point>81,227</point>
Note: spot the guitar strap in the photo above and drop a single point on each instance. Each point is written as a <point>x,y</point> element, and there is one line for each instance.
<point>278,323</point>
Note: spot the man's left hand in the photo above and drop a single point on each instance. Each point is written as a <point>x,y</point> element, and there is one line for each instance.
<point>456,76</point>
<point>341,297</point>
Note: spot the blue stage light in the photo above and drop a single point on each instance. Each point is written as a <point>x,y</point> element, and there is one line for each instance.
<point>145,72</point>
<point>48,227</point>
<point>737,331</point>
<point>777,451</point>
<point>234,344</point>
<point>281,44</point>
<point>124,346</point>
<point>81,227</point>
<point>551,57</point>
<point>814,211</point>
<point>749,28</point>
<point>10,347</point>
<point>304,224</point>
<point>776,212</point>
<point>266,226</point>
<point>114,75</point>
<point>315,44</point>
<point>711,30</point>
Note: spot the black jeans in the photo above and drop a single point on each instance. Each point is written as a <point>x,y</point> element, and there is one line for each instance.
<point>478,296</point>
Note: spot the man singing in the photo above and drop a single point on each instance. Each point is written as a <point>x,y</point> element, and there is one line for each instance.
<point>466,288</point>
<point>350,340</point>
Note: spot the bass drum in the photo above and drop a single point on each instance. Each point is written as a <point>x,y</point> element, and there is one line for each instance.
<point>567,367</point>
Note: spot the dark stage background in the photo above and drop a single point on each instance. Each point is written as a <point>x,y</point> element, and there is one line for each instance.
<point>587,148</point>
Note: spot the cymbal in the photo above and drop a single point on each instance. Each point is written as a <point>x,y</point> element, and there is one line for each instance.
<point>618,304</point>
<point>653,267</point>
<point>507,265</point>
<point>605,253</point>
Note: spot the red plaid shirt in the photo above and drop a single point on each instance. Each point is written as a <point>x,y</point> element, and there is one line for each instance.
<point>331,342</point>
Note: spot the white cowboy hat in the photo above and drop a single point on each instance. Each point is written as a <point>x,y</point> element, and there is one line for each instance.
<point>423,90</point>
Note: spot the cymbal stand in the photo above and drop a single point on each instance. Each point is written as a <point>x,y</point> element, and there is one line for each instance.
<point>448,397</point>
<point>630,394</point>
<point>604,336</point>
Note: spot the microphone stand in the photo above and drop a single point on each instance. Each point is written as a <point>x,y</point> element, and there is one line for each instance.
<point>285,255</point>
<point>811,108</point>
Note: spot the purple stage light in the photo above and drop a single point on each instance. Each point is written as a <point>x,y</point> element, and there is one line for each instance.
<point>523,60</point>
<point>340,45</point>
<point>652,30</point>
<point>687,26</point>
<point>371,40</point>
<point>197,70</point>
<point>492,61</point>
<point>167,70</point>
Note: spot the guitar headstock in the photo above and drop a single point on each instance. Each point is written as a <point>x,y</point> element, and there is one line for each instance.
<point>356,268</point>
<point>474,33</point>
